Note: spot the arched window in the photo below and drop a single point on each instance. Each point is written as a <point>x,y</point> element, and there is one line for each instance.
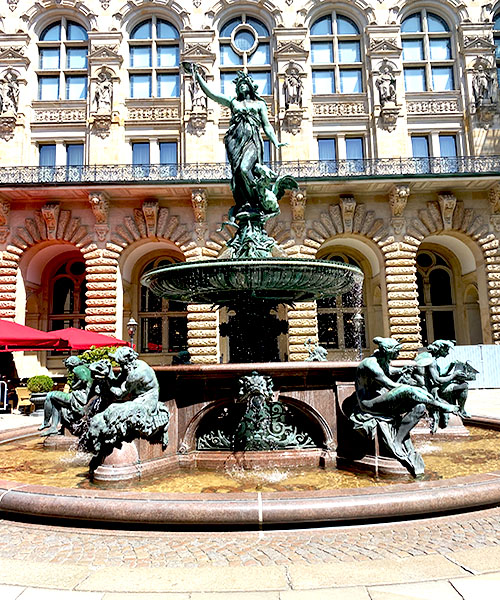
<point>338,329</point>
<point>428,54</point>
<point>62,51</point>
<point>154,60</point>
<point>336,55</point>
<point>245,45</point>
<point>67,296</point>
<point>435,297</point>
<point>162,323</point>
<point>496,38</point>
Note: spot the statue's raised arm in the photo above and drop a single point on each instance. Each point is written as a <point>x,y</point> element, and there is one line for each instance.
<point>193,69</point>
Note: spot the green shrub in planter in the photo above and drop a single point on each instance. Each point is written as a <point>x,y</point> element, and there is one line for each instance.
<point>94,355</point>
<point>40,383</point>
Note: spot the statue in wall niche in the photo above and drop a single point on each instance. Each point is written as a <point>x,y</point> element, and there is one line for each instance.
<point>256,198</point>
<point>450,383</point>
<point>293,88</point>
<point>482,86</point>
<point>390,409</point>
<point>68,408</point>
<point>103,96</point>
<point>127,406</point>
<point>198,98</point>
<point>9,93</point>
<point>386,85</point>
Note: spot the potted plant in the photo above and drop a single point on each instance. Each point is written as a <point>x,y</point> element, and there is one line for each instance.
<point>39,385</point>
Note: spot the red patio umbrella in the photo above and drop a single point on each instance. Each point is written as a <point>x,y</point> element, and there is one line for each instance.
<point>81,339</point>
<point>14,336</point>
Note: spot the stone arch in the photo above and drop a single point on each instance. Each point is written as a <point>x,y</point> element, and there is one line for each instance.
<point>135,10</point>
<point>449,216</point>
<point>41,13</point>
<point>266,10</point>
<point>50,224</point>
<point>360,10</point>
<point>454,11</point>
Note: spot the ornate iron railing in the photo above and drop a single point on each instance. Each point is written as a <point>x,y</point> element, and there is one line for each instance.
<point>303,170</point>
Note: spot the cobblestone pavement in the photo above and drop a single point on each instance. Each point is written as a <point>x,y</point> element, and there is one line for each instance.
<point>99,547</point>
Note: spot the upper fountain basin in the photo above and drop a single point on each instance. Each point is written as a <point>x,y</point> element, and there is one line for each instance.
<point>282,280</point>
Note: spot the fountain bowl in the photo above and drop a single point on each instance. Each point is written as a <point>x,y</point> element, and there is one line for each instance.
<point>279,280</point>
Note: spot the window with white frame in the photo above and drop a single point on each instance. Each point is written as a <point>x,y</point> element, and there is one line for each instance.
<point>244,44</point>
<point>336,55</point>
<point>154,60</point>
<point>62,66</point>
<point>428,55</point>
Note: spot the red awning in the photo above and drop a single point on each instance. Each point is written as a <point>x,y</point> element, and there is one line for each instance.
<point>81,339</point>
<point>20,337</point>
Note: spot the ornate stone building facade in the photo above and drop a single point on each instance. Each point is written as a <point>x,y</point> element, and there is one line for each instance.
<point>112,162</point>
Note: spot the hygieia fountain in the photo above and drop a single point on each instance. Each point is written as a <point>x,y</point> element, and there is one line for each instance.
<point>139,420</point>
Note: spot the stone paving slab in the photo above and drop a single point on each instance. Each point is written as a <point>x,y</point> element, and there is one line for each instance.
<point>222,579</point>
<point>349,593</point>
<point>44,594</point>
<point>8,592</point>
<point>139,596</point>
<point>483,587</point>
<point>479,560</point>
<point>403,570</point>
<point>46,574</point>
<point>427,590</point>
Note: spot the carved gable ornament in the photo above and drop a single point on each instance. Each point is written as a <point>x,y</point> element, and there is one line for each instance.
<point>290,49</point>
<point>105,54</point>
<point>13,56</point>
<point>385,46</point>
<point>476,42</point>
<point>197,50</point>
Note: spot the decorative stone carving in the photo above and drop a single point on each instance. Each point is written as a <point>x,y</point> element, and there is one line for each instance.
<point>291,49</point>
<point>384,46</point>
<point>199,202</point>
<point>494,198</point>
<point>153,113</point>
<point>50,214</point>
<point>448,203</point>
<point>62,115</point>
<point>484,92</point>
<point>103,95</point>
<point>7,126</point>
<point>340,109</point>
<point>198,115</point>
<point>477,42</point>
<point>9,93</point>
<point>397,201</point>
<point>432,107</point>
<point>386,85</point>
<point>292,95</point>
<point>12,4</point>
<point>348,206</point>
<point>99,203</point>
<point>150,210</point>
<point>298,206</point>
<point>4,220</point>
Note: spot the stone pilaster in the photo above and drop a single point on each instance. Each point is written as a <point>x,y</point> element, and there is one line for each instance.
<point>490,245</point>
<point>302,326</point>
<point>102,274</point>
<point>9,262</point>
<point>203,334</point>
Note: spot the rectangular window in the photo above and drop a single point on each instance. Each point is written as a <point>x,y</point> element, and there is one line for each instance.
<point>415,80</point>
<point>168,157</point>
<point>263,80</point>
<point>76,88</point>
<point>420,151</point>
<point>140,56</point>
<point>267,151</point>
<point>327,149</point>
<point>413,50</point>
<point>440,49</point>
<point>168,56</point>
<point>261,56</point>
<point>227,85</point>
<point>350,81</point>
<point>448,145</point>
<point>228,56</point>
<point>323,82</point>
<point>140,86</point>
<point>321,53</point>
<point>49,58</point>
<point>74,155</point>
<point>442,79</point>
<point>76,58</point>
<point>354,148</point>
<point>349,52</point>
<point>48,88</point>
<point>140,153</point>
<point>47,155</point>
<point>168,86</point>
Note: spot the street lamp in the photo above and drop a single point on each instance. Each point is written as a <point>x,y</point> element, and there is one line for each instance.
<point>131,329</point>
<point>358,328</point>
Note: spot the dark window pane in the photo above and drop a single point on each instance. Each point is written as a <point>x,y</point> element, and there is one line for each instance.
<point>177,334</point>
<point>322,26</point>
<point>353,339</point>
<point>326,148</point>
<point>444,326</point>
<point>423,329</point>
<point>227,30</point>
<point>52,33</point>
<point>47,156</point>
<point>140,153</point>
<point>142,31</point>
<point>63,300</point>
<point>420,289</point>
<point>151,334</point>
<point>74,155</point>
<point>440,284</point>
<point>149,302</point>
<point>327,330</point>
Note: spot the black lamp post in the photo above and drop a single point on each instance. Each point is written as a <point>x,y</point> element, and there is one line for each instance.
<point>131,329</point>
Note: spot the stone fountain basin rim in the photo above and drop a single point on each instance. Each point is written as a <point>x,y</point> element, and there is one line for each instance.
<point>425,498</point>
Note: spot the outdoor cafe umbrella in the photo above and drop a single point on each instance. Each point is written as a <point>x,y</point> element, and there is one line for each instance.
<point>81,339</point>
<point>14,336</point>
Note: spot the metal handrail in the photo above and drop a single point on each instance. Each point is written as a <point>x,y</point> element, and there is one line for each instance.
<point>303,170</point>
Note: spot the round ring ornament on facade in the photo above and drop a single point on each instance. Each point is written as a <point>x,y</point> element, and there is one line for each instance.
<point>244,39</point>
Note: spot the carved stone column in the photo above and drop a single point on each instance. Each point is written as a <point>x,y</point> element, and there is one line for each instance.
<point>298,205</point>
<point>9,263</point>
<point>302,326</point>
<point>199,202</point>
<point>397,201</point>
<point>99,203</point>
<point>102,280</point>
<point>203,334</point>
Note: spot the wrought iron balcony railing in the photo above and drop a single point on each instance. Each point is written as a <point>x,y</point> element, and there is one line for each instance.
<point>306,170</point>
